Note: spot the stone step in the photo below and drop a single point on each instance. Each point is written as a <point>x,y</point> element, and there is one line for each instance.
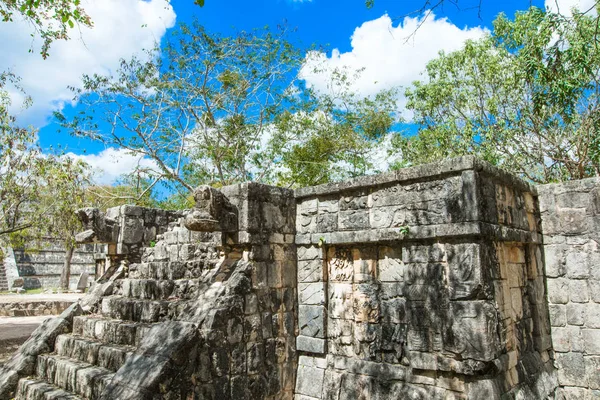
<point>153,289</point>
<point>73,376</point>
<point>36,389</point>
<point>160,270</point>
<point>109,356</point>
<point>111,331</point>
<point>128,309</point>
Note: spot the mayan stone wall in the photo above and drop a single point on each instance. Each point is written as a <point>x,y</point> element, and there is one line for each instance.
<point>571,223</point>
<point>426,283</point>
<point>42,267</point>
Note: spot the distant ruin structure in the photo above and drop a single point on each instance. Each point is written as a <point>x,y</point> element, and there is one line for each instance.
<point>452,280</point>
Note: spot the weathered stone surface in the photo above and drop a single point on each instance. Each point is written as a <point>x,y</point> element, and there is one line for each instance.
<point>310,344</point>
<point>311,321</point>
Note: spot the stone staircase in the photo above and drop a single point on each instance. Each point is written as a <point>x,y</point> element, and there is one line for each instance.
<point>3,281</point>
<point>85,361</point>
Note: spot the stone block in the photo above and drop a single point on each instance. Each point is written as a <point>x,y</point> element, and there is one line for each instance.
<point>340,265</point>
<point>579,292</point>
<point>591,341</point>
<point>592,368</point>
<point>390,265</point>
<point>561,339</point>
<point>571,369</point>
<point>340,301</point>
<point>365,264</point>
<point>311,293</point>
<point>327,222</point>
<point>310,270</point>
<point>592,315</point>
<point>311,345</point>
<point>577,265</point>
<point>365,304</point>
<point>309,381</point>
<point>353,220</point>
<point>309,252</point>
<point>576,314</point>
<point>558,290</point>
<point>554,261</point>
<point>464,265</point>
<point>311,320</point>
<point>472,332</point>
<point>594,289</point>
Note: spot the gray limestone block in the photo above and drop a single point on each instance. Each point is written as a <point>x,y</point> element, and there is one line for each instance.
<point>353,220</point>
<point>311,321</point>
<point>327,222</point>
<point>592,368</point>
<point>309,381</point>
<point>171,339</point>
<point>577,265</point>
<point>307,207</point>
<point>591,341</point>
<point>309,252</point>
<point>357,201</point>
<point>139,375</point>
<point>132,230</point>
<point>576,314</point>
<point>473,331</point>
<point>305,224</point>
<point>311,293</point>
<point>422,253</point>
<point>558,290</point>
<point>465,270</point>
<point>328,205</point>
<point>310,270</point>
<point>8,382</point>
<point>311,345</point>
<point>571,369</point>
<point>592,315</point>
<point>558,316</point>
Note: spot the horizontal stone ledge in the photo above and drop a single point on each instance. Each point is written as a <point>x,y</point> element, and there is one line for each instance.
<point>419,172</point>
<point>311,345</point>
<point>382,371</point>
<point>452,166</point>
<point>457,230</point>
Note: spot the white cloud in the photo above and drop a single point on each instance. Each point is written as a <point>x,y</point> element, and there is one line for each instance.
<point>390,55</point>
<point>121,29</point>
<point>565,6</point>
<point>110,164</point>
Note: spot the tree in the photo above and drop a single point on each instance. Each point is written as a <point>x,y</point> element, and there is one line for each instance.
<point>207,111</point>
<point>332,134</point>
<point>525,98</point>
<point>51,19</point>
<point>39,192</point>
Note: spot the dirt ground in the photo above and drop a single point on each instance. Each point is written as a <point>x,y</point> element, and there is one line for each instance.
<point>14,331</point>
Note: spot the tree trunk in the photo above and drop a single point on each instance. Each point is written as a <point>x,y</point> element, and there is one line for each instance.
<point>65,276</point>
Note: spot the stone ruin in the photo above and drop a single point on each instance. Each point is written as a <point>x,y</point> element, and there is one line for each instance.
<point>453,280</point>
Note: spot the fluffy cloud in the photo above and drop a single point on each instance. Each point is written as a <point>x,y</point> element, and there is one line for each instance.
<point>565,6</point>
<point>390,55</point>
<point>121,29</point>
<point>111,163</point>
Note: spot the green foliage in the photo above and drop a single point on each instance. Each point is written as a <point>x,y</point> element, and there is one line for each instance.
<point>51,18</point>
<point>404,230</point>
<point>229,109</point>
<point>524,98</point>
<point>38,192</point>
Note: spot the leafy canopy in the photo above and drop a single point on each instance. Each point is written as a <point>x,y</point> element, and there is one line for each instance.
<point>525,98</point>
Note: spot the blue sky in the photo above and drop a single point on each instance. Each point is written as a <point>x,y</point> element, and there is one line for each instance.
<point>382,40</point>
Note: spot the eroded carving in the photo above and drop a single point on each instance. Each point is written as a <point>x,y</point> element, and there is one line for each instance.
<point>213,212</point>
